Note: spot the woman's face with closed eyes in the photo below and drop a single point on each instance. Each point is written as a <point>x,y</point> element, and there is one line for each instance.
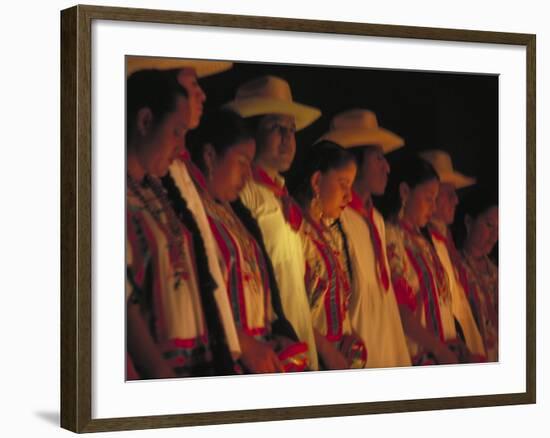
<point>483,231</point>
<point>419,202</point>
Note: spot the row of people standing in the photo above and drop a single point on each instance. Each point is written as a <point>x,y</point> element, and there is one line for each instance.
<point>229,273</point>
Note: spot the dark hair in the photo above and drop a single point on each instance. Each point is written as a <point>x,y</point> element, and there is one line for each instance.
<point>222,129</point>
<point>410,169</point>
<point>359,153</point>
<point>322,157</point>
<point>476,202</point>
<point>153,89</point>
<point>253,123</point>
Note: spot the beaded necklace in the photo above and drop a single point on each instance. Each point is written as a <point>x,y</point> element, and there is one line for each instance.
<point>168,223</point>
<point>327,239</point>
<point>427,249</point>
<point>246,243</point>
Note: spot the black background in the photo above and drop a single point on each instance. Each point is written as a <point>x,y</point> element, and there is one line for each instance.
<point>456,112</point>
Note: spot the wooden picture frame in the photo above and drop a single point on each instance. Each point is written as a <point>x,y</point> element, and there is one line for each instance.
<point>76,217</point>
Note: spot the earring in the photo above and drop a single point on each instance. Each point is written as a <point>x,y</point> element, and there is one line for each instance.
<point>401,213</point>
<point>316,210</point>
<point>208,170</point>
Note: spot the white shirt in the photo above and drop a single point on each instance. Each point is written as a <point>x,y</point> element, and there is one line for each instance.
<point>373,310</point>
<point>188,191</point>
<point>285,251</point>
<point>460,306</point>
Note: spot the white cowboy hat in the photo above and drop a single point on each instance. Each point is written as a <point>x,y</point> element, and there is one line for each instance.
<point>359,127</point>
<point>271,95</point>
<point>202,68</point>
<point>441,161</point>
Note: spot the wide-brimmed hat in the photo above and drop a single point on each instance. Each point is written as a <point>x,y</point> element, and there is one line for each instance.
<point>271,95</point>
<point>202,68</point>
<point>359,127</point>
<point>441,161</point>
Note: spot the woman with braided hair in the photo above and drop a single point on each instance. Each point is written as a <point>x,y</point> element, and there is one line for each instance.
<point>323,192</point>
<point>419,279</point>
<point>223,149</point>
<point>173,326</point>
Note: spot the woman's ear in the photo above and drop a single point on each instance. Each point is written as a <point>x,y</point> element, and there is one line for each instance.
<point>404,192</point>
<point>144,121</point>
<point>315,182</point>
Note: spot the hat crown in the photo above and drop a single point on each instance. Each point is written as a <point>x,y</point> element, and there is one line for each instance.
<point>202,68</point>
<point>265,87</point>
<point>440,160</point>
<point>355,119</point>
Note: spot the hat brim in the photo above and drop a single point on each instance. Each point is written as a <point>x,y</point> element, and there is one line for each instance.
<point>202,68</point>
<point>303,115</point>
<point>457,179</point>
<point>350,138</point>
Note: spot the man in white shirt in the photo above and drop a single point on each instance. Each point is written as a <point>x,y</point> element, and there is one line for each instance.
<point>268,100</point>
<point>443,217</point>
<point>373,306</point>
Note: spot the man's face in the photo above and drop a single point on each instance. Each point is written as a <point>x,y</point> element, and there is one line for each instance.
<point>276,142</point>
<point>373,176</point>
<point>446,203</point>
<point>195,95</point>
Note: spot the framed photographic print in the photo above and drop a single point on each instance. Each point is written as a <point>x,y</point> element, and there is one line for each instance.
<point>469,94</point>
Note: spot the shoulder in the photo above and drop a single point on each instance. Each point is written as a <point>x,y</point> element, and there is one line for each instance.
<point>260,200</point>
<point>353,223</point>
<point>251,195</point>
<point>379,219</point>
<point>349,215</point>
<point>394,233</point>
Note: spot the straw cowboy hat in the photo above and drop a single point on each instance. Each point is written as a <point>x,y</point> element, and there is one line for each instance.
<point>359,127</point>
<point>441,161</point>
<point>271,95</point>
<point>202,68</point>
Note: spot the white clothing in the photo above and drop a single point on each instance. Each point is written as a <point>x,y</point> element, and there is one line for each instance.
<point>460,304</point>
<point>284,247</point>
<point>186,186</point>
<point>374,312</point>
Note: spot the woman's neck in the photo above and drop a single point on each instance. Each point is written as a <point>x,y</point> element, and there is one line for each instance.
<point>313,215</point>
<point>273,173</point>
<point>134,168</point>
<point>472,250</point>
<point>409,223</point>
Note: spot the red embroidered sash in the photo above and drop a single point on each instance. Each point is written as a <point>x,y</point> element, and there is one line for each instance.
<point>291,210</point>
<point>427,281</point>
<point>193,170</point>
<point>368,215</point>
<point>455,258</point>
